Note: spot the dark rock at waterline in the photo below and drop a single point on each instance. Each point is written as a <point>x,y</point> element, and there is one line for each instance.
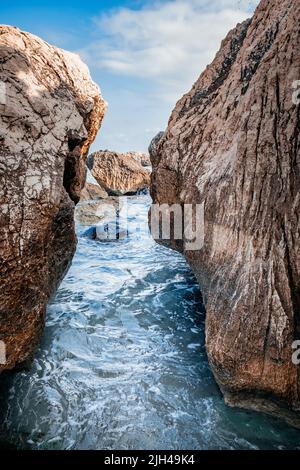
<point>50,113</point>
<point>105,232</point>
<point>90,233</point>
<point>92,191</point>
<point>7,445</point>
<point>232,143</point>
<point>103,219</point>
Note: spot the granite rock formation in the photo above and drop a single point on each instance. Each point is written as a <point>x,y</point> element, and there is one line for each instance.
<point>118,173</point>
<point>232,144</point>
<point>50,114</point>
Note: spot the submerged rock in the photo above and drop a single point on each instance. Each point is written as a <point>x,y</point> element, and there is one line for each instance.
<point>93,212</point>
<point>118,173</point>
<point>232,143</point>
<point>50,114</point>
<point>103,219</point>
<point>106,232</point>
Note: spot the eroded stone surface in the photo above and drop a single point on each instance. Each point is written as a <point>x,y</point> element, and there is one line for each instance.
<point>118,173</point>
<point>232,143</point>
<point>141,157</point>
<point>50,114</point>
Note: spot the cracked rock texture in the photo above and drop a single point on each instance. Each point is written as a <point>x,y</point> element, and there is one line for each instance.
<point>50,114</point>
<point>232,143</point>
<point>119,173</point>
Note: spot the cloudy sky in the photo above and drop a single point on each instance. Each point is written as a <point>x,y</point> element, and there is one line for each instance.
<point>144,54</point>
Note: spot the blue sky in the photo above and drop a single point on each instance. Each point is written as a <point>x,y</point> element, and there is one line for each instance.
<point>143,54</point>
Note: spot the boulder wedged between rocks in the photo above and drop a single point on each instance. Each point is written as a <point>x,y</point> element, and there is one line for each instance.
<point>119,173</point>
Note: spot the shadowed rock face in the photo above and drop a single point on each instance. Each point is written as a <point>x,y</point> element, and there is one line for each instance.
<point>50,114</point>
<point>119,173</point>
<point>92,190</point>
<point>232,143</point>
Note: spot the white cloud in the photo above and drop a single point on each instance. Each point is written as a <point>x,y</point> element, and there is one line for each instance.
<point>168,42</point>
<point>144,60</point>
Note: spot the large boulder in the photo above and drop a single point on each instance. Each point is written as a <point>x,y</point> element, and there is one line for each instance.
<point>118,173</point>
<point>232,143</point>
<point>50,114</point>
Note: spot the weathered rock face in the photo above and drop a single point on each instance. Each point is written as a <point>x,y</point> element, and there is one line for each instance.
<point>92,190</point>
<point>141,157</point>
<point>50,113</point>
<point>232,143</point>
<point>118,173</point>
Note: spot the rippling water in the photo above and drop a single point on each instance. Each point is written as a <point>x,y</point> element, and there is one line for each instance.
<point>122,364</point>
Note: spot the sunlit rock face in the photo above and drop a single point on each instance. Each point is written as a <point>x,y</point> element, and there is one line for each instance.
<point>232,143</point>
<point>119,173</point>
<point>141,157</point>
<point>50,113</point>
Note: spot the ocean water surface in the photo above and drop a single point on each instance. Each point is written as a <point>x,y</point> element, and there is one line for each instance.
<point>122,364</point>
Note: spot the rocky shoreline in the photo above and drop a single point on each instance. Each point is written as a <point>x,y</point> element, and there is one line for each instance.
<point>232,145</point>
